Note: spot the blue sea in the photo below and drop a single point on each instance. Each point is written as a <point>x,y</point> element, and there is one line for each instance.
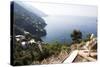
<point>59,28</point>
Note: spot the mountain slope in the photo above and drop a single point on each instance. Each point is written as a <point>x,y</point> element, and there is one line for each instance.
<point>29,7</point>
<point>25,20</point>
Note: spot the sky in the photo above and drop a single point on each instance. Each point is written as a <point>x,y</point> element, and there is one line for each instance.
<point>63,9</point>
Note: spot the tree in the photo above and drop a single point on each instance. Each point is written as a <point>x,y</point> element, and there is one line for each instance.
<point>76,36</point>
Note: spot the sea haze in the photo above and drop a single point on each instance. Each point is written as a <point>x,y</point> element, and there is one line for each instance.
<point>59,28</point>
<point>62,19</point>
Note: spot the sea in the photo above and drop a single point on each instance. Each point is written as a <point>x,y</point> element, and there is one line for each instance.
<point>59,28</point>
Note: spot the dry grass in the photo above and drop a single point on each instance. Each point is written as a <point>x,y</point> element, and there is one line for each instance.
<point>55,59</point>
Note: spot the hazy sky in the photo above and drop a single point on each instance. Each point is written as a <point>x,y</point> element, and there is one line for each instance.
<point>64,9</point>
